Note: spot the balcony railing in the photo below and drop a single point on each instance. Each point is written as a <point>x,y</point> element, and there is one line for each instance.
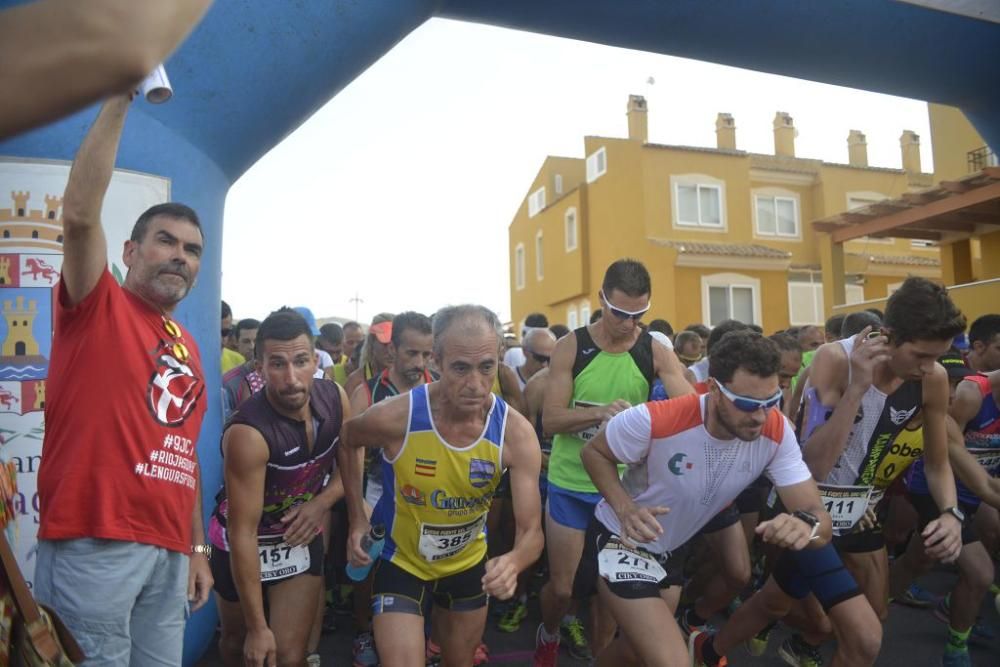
<point>980,158</point>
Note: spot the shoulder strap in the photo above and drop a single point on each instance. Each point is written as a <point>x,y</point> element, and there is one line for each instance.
<point>642,355</point>
<point>38,631</point>
<point>584,342</point>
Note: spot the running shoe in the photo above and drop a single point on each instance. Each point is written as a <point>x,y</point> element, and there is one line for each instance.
<point>917,597</point>
<point>956,659</point>
<point>511,621</point>
<point>757,645</point>
<point>364,650</point>
<point>687,627</point>
<point>482,655</point>
<point>980,631</point>
<point>797,653</point>
<point>575,640</point>
<point>695,643</point>
<point>312,660</point>
<point>546,653</point>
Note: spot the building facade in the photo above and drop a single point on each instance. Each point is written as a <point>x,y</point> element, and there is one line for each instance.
<point>724,232</point>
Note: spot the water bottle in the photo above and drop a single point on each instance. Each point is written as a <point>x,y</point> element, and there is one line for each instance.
<point>372,543</point>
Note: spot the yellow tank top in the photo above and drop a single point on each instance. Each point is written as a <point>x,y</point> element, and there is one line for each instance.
<point>497,389</point>
<point>435,496</point>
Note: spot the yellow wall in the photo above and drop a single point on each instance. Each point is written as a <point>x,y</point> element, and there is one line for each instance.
<point>952,137</point>
<point>974,300</point>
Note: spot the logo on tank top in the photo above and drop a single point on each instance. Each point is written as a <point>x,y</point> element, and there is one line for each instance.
<point>899,417</point>
<point>173,391</point>
<point>676,464</point>
<point>481,472</point>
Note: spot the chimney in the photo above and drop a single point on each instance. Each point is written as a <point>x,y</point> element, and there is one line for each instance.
<point>857,149</point>
<point>638,129</point>
<point>909,146</point>
<point>784,135</point>
<point>725,132</point>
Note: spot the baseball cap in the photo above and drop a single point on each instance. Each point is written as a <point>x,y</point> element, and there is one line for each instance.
<point>954,363</point>
<point>382,332</point>
<point>309,317</point>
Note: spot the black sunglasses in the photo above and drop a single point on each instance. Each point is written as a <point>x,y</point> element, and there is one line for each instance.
<point>540,358</point>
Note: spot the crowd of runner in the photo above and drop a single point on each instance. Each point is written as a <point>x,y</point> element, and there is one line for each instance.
<point>653,481</point>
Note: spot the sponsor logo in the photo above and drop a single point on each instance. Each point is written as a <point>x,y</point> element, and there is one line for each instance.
<point>676,464</point>
<point>173,391</point>
<point>425,467</point>
<point>899,417</point>
<point>442,501</point>
<point>589,351</point>
<point>481,472</point>
<point>413,495</point>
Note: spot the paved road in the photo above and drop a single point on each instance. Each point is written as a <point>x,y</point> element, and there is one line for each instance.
<point>914,638</point>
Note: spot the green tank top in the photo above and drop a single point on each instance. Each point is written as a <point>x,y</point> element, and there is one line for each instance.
<point>599,378</point>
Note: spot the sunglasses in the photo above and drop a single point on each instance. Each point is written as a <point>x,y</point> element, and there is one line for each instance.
<point>621,314</point>
<point>177,348</point>
<point>540,358</point>
<point>747,404</point>
<point>227,332</point>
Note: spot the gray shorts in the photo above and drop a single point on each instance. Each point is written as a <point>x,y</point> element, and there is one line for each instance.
<point>125,603</point>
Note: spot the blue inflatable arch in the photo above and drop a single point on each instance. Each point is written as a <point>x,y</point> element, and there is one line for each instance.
<point>253,71</point>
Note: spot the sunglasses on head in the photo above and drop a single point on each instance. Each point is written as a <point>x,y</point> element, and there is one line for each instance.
<point>177,348</point>
<point>747,404</point>
<point>540,358</point>
<point>621,314</point>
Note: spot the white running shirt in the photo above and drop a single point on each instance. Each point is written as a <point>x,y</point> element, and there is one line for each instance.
<point>674,462</point>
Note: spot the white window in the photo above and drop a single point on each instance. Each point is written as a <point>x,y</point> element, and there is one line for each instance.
<point>597,164</point>
<point>558,183</point>
<point>570,220</point>
<point>855,293</point>
<point>539,261</point>
<point>805,303</point>
<point>726,296</point>
<point>571,320</point>
<point>777,216</point>
<point>519,266</point>
<point>698,201</point>
<point>585,313</point>
<point>536,202</point>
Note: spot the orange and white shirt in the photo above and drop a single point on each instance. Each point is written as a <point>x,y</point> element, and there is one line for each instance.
<point>674,462</point>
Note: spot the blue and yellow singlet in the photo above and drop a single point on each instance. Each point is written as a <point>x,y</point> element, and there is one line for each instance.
<point>436,496</point>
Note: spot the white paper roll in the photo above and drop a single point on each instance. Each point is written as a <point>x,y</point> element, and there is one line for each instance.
<point>156,87</point>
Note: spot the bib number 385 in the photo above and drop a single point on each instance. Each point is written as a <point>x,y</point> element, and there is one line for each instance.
<point>443,541</point>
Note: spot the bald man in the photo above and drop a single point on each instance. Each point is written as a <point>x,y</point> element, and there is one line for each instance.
<point>538,346</point>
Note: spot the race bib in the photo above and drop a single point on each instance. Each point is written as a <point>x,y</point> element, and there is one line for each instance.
<point>845,504</point>
<point>590,431</point>
<point>444,541</point>
<point>619,563</point>
<point>989,458</point>
<point>280,560</point>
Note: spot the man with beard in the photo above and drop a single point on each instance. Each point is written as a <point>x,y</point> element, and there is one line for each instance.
<point>125,405</point>
<point>279,483</point>
<point>412,346</point>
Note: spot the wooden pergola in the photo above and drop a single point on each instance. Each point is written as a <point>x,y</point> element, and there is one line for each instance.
<point>951,214</point>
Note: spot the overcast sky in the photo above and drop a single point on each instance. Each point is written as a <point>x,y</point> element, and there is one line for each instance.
<point>401,188</point>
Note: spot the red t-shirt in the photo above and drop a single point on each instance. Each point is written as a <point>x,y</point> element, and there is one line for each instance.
<point>121,422</point>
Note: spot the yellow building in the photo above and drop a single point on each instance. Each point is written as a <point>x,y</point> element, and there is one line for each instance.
<point>723,232</point>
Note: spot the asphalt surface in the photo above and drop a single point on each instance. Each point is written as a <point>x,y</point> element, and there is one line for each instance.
<point>912,637</point>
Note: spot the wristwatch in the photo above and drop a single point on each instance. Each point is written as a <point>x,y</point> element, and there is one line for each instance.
<point>955,512</point>
<point>204,549</point>
<point>809,519</point>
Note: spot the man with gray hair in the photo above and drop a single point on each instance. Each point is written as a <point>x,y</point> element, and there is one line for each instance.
<point>445,446</point>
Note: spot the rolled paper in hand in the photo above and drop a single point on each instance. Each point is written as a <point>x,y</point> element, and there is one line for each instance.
<point>156,87</point>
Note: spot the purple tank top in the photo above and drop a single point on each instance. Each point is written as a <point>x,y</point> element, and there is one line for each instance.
<point>295,473</point>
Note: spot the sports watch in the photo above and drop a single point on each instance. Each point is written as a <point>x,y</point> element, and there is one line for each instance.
<point>955,512</point>
<point>204,549</point>
<point>811,520</point>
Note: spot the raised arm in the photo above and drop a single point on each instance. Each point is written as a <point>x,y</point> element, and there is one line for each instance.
<point>62,55</point>
<point>824,442</point>
<point>85,248</point>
